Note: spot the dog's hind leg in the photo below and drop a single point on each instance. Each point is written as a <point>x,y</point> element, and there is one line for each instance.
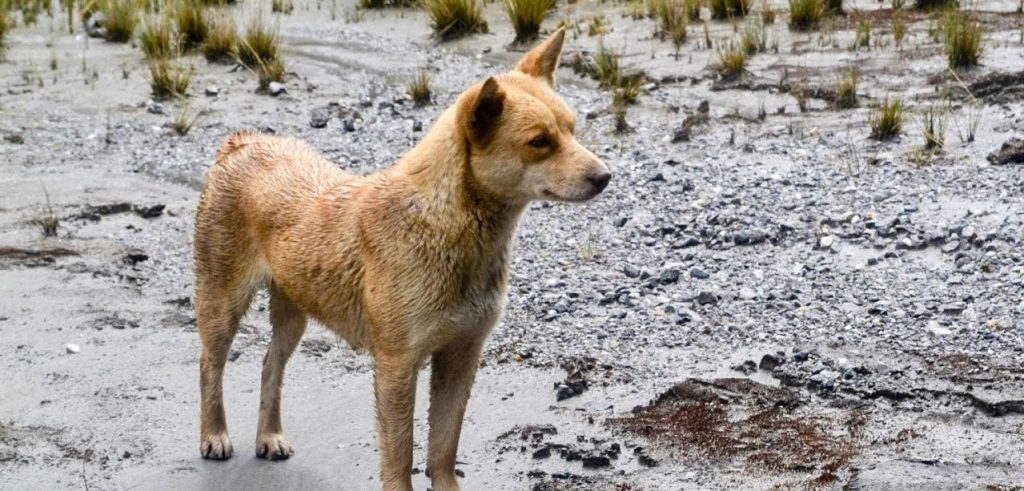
<point>218,312</point>
<point>289,324</point>
<point>452,372</point>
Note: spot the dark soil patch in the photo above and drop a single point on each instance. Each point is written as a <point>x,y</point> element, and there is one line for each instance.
<point>760,425</point>
<point>999,88</point>
<point>34,257</point>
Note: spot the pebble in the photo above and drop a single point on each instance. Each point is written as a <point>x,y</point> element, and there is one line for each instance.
<point>699,274</point>
<point>72,349</point>
<point>320,117</point>
<point>348,124</point>
<point>212,91</point>
<point>275,89</point>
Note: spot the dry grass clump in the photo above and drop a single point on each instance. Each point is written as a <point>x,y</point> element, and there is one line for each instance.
<point>933,124</point>
<point>609,72</point>
<point>964,40</point>
<point>732,62</point>
<point>899,28</point>
<point>846,92</point>
<point>729,9</point>
<point>834,7</point>
<point>672,16</point>
<point>120,20</point>
<point>169,78</point>
<point>5,26</point>
<point>157,38</point>
<point>451,19</point>
<point>48,221</point>
<point>419,88</point>
<point>260,44</point>
<point>269,71</point>
<point>754,38</point>
<point>936,4</point>
<point>526,16</point>
<point>221,42</point>
<point>863,36</point>
<point>185,119</point>
<point>282,6</point>
<point>191,21</point>
<point>804,15</point>
<point>886,120</point>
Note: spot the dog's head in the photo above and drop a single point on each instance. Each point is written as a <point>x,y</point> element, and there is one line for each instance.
<point>522,134</point>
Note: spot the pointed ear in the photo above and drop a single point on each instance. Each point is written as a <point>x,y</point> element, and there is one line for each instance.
<point>542,61</point>
<point>481,112</point>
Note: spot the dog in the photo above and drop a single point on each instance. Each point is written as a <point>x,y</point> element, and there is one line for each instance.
<point>409,263</point>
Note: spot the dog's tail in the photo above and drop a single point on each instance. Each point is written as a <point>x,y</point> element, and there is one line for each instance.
<point>235,142</point>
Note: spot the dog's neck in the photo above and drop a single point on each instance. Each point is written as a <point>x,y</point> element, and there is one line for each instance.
<point>440,175</point>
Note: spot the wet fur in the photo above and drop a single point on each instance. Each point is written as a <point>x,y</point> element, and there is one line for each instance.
<point>409,263</point>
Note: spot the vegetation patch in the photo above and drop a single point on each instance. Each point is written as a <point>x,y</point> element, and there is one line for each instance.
<point>452,19</point>
<point>743,421</point>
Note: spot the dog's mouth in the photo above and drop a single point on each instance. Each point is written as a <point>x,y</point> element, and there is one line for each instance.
<point>553,196</point>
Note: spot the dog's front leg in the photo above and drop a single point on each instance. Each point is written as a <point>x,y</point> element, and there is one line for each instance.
<point>453,371</point>
<point>395,390</point>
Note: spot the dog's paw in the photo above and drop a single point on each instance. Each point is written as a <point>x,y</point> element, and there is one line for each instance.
<point>216,447</point>
<point>273,446</point>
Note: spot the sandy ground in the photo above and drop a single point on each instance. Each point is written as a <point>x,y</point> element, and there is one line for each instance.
<point>907,406</point>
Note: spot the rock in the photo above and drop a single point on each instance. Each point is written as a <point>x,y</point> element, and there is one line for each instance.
<point>706,298</point>
<point>320,117</point>
<point>770,361</point>
<point>936,330</point>
<point>951,246</point>
<point>149,211</point>
<point>212,91</point>
<point>417,126</point>
<point>1012,152</point>
<point>631,271</point>
<point>275,89</point>
<point>746,368</point>
<point>542,453</point>
<point>596,462</point>
<point>94,25</point>
<point>669,276</point>
<point>565,392</point>
<point>155,108</point>
<point>826,243</point>
<point>72,349</point>
<point>349,124</point>
<point>14,138</point>
<point>699,274</point>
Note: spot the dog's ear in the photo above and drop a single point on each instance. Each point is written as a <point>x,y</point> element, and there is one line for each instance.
<point>542,61</point>
<point>481,112</point>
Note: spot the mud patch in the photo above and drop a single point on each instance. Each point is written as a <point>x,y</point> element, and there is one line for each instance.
<point>33,257</point>
<point>999,88</point>
<point>741,420</point>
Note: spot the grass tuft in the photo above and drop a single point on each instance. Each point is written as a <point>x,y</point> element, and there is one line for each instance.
<point>609,72</point>
<point>191,22</point>
<point>48,221</point>
<point>259,45</point>
<point>886,120</point>
<point>282,6</point>
<point>863,37</point>
<point>157,38</point>
<point>419,88</point>
<point>452,19</point>
<point>732,62</point>
<point>846,93</point>
<point>729,9</point>
<point>221,42</point>
<point>933,124</point>
<point>185,119</point>
<point>936,4</point>
<point>804,15</point>
<point>899,28</point>
<point>120,20</point>
<point>169,78</point>
<point>526,16</point>
<point>672,16</point>
<point>754,38</point>
<point>964,40</point>
<point>269,71</point>
<point>5,26</point>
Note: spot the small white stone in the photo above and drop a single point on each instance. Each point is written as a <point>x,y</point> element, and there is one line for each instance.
<point>72,349</point>
<point>935,329</point>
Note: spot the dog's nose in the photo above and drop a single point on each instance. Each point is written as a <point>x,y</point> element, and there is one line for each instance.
<point>600,179</point>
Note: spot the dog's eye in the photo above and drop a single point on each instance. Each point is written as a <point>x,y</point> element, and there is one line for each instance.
<point>541,141</point>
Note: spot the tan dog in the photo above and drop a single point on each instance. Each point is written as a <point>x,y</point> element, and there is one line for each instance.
<point>410,263</point>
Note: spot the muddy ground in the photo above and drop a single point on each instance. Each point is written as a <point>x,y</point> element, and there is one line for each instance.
<point>769,301</point>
